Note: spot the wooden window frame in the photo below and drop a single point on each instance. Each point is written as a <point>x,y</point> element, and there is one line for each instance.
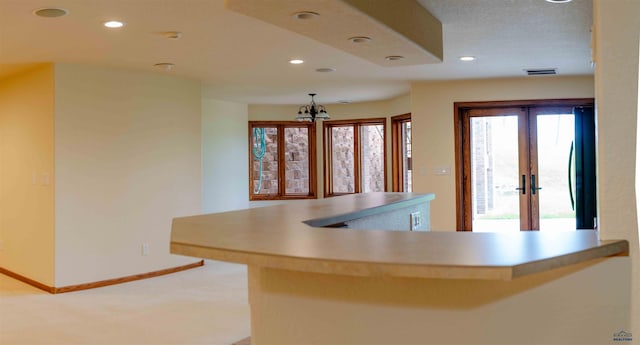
<point>282,195</point>
<point>327,153</point>
<point>396,151</point>
<point>461,137</point>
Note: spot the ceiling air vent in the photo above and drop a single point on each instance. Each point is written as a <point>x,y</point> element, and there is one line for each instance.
<point>541,71</point>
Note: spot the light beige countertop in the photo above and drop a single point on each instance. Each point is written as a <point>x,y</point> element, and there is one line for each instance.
<point>278,237</point>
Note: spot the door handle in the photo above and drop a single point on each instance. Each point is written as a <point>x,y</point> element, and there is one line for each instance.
<point>533,184</point>
<point>573,204</point>
<point>522,188</point>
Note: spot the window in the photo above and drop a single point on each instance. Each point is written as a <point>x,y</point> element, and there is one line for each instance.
<point>354,160</point>
<point>282,160</point>
<point>401,152</point>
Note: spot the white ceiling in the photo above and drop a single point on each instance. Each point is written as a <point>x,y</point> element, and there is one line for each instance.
<point>243,59</point>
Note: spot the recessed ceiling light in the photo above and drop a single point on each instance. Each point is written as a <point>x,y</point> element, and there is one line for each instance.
<point>50,12</point>
<point>360,39</point>
<point>296,61</point>
<point>467,58</point>
<point>306,15</point>
<point>113,24</point>
<point>325,70</point>
<point>394,57</point>
<point>558,1</point>
<point>166,66</point>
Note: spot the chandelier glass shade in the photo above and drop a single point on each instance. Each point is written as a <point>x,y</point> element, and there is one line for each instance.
<point>312,111</point>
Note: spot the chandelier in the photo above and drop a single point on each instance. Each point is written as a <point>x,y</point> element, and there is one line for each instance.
<point>312,111</point>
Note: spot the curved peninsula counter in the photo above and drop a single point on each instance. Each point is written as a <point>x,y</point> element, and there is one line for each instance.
<point>330,271</point>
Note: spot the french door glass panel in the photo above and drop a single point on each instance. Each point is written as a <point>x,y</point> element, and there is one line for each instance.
<point>555,137</point>
<point>495,173</point>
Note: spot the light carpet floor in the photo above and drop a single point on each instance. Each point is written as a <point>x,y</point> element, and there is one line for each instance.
<point>205,305</point>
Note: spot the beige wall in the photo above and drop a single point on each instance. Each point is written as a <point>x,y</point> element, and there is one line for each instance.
<point>128,160</point>
<point>617,36</point>
<point>433,127</point>
<point>581,304</point>
<point>225,169</point>
<point>386,108</point>
<point>26,164</point>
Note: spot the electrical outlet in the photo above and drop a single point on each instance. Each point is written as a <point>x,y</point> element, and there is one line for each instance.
<point>443,170</point>
<point>415,221</point>
<point>145,249</point>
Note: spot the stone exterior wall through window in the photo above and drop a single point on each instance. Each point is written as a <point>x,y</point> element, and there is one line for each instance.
<point>269,172</point>
<point>371,140</point>
<point>297,160</point>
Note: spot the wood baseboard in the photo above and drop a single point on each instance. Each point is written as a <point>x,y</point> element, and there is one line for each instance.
<point>93,285</point>
<point>36,284</point>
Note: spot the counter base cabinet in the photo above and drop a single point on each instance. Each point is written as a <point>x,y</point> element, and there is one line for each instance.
<point>585,303</point>
<point>396,220</point>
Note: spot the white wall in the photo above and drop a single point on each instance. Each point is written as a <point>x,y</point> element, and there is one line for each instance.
<point>432,126</point>
<point>225,167</point>
<point>128,160</point>
<point>26,160</point>
<point>617,46</point>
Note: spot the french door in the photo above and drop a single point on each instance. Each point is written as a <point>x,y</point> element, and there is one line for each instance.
<point>527,168</point>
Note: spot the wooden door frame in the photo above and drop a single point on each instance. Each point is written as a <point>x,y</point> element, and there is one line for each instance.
<point>462,140</point>
<point>397,169</point>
